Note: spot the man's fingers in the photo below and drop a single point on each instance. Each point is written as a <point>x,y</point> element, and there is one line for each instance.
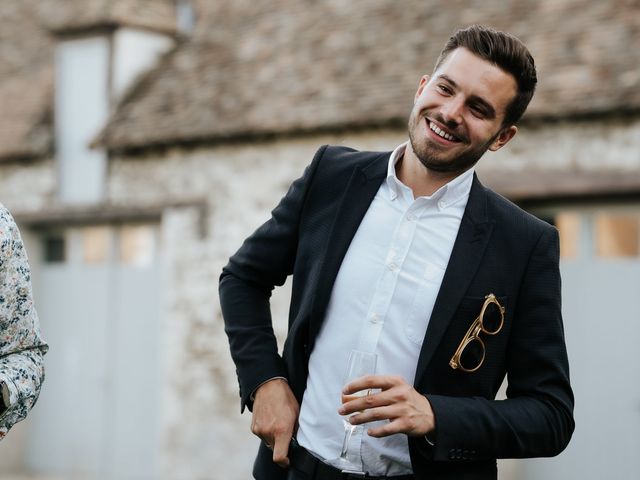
<point>373,415</point>
<point>387,429</point>
<point>367,402</point>
<point>275,415</point>
<point>368,382</point>
<point>281,450</point>
<point>406,410</point>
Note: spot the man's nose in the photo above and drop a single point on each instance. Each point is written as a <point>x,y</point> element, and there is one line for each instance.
<point>452,111</point>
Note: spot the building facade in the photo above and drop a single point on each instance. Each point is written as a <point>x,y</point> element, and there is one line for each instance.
<point>141,141</point>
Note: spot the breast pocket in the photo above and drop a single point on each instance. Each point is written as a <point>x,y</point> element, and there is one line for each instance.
<point>471,307</point>
<point>425,299</point>
<point>483,345</point>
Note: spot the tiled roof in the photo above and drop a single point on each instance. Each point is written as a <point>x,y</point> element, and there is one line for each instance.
<point>255,68</point>
<point>297,65</point>
<point>26,59</point>
<point>26,78</point>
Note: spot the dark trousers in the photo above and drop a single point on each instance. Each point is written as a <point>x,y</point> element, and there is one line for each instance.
<point>293,474</point>
<point>305,466</point>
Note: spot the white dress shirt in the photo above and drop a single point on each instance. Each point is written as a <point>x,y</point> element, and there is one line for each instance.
<point>381,302</point>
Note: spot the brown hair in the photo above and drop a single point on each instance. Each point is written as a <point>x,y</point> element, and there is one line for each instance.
<point>507,53</point>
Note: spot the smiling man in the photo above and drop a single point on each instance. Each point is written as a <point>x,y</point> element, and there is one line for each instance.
<point>406,256</point>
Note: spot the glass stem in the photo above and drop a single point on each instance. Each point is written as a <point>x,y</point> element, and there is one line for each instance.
<point>349,429</point>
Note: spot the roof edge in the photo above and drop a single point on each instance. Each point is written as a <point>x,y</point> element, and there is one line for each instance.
<point>106,27</point>
<point>244,137</point>
<point>102,212</point>
<point>138,148</point>
<point>21,156</point>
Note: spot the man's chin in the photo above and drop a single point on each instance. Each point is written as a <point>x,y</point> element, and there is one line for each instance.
<point>441,167</point>
<point>437,167</point>
<point>433,162</point>
<point>448,166</point>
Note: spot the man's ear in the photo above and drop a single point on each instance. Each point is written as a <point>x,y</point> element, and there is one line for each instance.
<point>503,137</point>
<point>423,83</point>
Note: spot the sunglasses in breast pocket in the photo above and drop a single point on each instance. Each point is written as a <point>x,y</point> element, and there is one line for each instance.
<point>470,354</point>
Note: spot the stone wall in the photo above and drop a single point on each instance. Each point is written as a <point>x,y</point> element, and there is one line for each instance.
<point>28,186</point>
<point>202,429</point>
<point>563,159</point>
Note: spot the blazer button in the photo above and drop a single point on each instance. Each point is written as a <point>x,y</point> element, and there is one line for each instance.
<point>452,454</point>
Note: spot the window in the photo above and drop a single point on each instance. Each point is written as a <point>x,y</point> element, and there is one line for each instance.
<point>96,244</point>
<point>616,235</point>
<point>596,231</point>
<point>569,225</point>
<point>54,248</point>
<point>137,244</point>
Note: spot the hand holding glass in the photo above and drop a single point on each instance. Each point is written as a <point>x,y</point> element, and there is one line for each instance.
<point>360,364</point>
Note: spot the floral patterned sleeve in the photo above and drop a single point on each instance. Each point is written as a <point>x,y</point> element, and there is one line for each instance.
<point>21,345</point>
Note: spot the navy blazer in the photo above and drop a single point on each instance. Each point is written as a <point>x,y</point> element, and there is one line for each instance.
<point>499,249</point>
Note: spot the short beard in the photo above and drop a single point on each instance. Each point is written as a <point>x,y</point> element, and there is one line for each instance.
<point>428,157</point>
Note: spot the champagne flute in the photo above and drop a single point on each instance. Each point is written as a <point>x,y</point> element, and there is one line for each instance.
<point>360,364</point>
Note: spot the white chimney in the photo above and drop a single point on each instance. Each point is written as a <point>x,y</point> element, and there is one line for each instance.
<point>94,68</point>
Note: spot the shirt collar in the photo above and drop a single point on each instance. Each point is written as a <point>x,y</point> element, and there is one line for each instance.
<point>447,195</point>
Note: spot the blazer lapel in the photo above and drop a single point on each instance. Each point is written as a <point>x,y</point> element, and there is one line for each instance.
<point>468,249</point>
<point>358,195</point>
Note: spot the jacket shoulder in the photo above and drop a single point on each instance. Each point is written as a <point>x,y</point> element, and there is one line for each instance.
<point>339,160</point>
<point>520,220</point>
<point>349,157</point>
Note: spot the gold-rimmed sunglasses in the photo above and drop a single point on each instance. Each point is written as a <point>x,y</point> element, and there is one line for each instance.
<point>470,353</point>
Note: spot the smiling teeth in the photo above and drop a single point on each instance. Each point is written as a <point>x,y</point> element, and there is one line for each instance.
<point>442,133</point>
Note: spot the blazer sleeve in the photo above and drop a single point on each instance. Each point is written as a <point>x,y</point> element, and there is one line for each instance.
<point>264,261</point>
<point>536,419</point>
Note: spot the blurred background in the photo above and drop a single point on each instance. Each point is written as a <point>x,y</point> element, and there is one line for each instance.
<point>142,140</point>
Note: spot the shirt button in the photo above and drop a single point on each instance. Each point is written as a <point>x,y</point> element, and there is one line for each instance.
<point>392,266</point>
<point>411,217</point>
<point>375,318</point>
<point>441,204</point>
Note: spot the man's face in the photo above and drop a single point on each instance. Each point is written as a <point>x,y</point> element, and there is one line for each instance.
<point>458,112</point>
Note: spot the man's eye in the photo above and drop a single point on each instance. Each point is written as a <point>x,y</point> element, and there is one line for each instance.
<point>444,89</point>
<point>478,111</point>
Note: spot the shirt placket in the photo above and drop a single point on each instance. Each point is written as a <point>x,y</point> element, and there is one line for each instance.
<point>386,285</point>
<point>398,249</point>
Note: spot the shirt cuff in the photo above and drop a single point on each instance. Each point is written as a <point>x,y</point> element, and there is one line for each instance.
<point>253,394</point>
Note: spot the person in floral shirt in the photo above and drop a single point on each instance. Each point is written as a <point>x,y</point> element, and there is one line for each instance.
<point>21,345</point>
